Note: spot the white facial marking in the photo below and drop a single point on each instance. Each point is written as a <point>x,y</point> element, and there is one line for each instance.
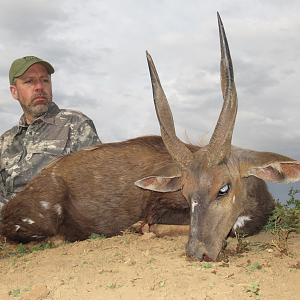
<point>45,204</point>
<point>194,203</point>
<point>58,209</point>
<point>17,227</point>
<point>240,222</point>
<point>233,199</point>
<point>27,220</point>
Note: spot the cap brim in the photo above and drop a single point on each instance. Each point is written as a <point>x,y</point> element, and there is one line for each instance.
<point>48,66</point>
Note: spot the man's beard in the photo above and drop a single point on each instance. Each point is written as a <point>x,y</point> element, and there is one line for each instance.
<point>38,108</point>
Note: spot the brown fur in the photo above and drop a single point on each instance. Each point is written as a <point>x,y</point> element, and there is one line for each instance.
<point>110,187</point>
<point>95,192</point>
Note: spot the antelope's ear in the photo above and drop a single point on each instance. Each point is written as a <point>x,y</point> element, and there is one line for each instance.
<point>166,179</point>
<point>280,172</point>
<point>270,166</point>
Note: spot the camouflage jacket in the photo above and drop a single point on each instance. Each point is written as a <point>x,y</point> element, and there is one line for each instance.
<point>26,149</point>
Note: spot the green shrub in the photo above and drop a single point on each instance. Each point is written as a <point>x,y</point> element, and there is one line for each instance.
<point>285,216</point>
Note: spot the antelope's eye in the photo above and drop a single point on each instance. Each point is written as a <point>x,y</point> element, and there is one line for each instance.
<point>224,190</point>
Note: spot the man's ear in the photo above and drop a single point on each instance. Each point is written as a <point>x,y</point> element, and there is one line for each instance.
<point>14,92</point>
<point>165,179</point>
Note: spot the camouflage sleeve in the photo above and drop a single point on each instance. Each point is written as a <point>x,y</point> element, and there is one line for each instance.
<point>3,201</point>
<point>1,179</point>
<point>85,136</point>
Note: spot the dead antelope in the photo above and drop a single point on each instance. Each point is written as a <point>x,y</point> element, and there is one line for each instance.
<point>107,188</point>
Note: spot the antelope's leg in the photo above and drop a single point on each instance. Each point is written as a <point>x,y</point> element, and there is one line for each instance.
<point>161,230</point>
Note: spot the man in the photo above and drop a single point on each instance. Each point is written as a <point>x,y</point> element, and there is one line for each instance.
<point>44,131</point>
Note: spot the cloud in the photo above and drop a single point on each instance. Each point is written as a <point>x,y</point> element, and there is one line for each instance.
<point>98,51</point>
<point>26,22</point>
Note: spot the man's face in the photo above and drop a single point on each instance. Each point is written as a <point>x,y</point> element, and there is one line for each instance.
<point>34,91</point>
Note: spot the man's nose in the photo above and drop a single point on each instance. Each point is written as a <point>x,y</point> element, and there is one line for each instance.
<point>39,85</point>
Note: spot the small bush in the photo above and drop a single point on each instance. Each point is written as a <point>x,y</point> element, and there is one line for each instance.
<point>283,220</point>
<point>285,216</point>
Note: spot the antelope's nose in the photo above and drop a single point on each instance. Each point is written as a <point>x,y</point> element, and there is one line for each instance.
<point>196,250</point>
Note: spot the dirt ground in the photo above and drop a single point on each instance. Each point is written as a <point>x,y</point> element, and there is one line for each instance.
<point>134,266</point>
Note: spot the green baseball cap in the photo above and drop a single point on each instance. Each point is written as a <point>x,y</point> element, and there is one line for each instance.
<point>20,66</point>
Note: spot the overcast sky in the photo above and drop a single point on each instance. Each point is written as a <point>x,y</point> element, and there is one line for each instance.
<point>98,51</point>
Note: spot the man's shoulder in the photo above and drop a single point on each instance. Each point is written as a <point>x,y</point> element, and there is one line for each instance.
<point>71,113</point>
<point>70,116</point>
<point>57,114</point>
<point>10,132</point>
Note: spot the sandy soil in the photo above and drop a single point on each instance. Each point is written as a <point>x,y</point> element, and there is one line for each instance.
<point>134,266</point>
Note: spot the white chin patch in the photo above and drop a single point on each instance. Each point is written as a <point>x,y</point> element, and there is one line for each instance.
<point>240,222</point>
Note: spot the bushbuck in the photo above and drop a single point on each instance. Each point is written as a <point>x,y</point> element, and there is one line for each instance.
<point>107,188</point>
